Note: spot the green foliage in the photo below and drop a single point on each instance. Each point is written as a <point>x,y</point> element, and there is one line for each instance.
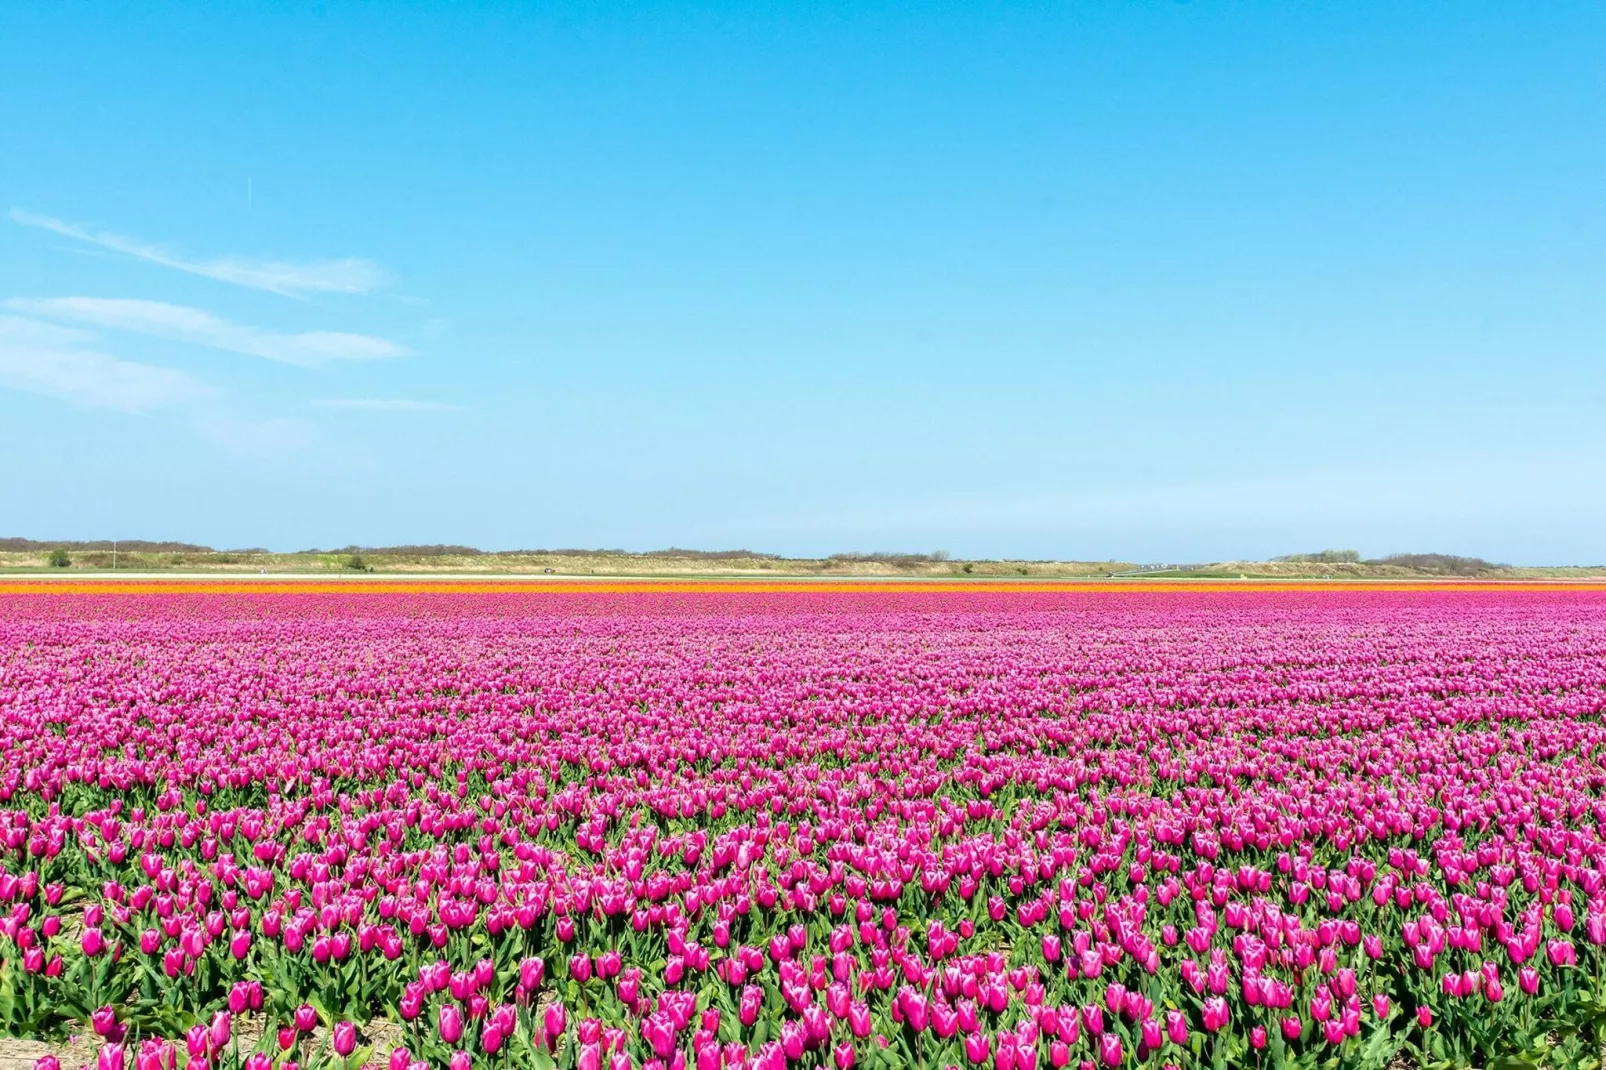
<point>58,558</point>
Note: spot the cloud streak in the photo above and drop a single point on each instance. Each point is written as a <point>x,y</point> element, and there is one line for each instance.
<point>262,440</point>
<point>345,276</point>
<point>42,358</point>
<point>385,405</point>
<point>181,323</point>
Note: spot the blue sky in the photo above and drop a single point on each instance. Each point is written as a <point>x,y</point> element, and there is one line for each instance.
<point>1157,281</point>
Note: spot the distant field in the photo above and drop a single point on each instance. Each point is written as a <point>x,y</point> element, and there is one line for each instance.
<point>557,562</point>
<point>671,564</point>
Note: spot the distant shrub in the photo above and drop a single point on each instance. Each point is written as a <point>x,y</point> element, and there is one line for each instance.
<point>12,545</point>
<point>356,563</point>
<point>1323,557</point>
<point>885,557</point>
<point>712,555</point>
<point>432,550</point>
<point>1438,564</point>
<point>58,558</point>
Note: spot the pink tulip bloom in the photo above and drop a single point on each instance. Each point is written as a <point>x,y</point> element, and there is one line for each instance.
<point>450,1023</point>
<point>553,1024</point>
<point>221,1031</point>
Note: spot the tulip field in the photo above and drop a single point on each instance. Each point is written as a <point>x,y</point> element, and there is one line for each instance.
<point>672,828</point>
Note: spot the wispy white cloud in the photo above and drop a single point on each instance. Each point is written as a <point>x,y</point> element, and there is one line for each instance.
<point>269,439</point>
<point>43,358</point>
<point>183,324</point>
<point>347,276</point>
<point>386,405</point>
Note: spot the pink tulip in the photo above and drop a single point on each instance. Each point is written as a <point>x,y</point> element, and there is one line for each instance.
<point>553,1024</point>
<point>748,1008</point>
<point>104,1022</point>
<point>531,970</point>
<point>198,1042</point>
<point>221,1031</point>
<point>450,1023</point>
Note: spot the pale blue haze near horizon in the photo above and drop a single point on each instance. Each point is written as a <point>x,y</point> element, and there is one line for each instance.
<point>1152,281</point>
